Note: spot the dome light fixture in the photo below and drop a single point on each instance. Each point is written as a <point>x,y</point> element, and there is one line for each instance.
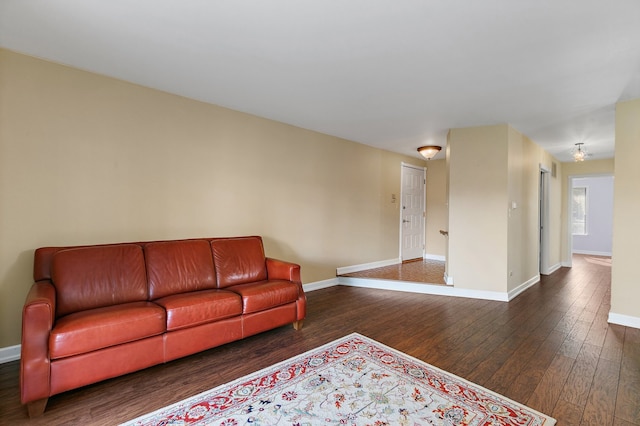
<point>429,151</point>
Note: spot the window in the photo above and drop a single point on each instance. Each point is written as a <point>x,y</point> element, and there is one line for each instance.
<point>579,211</point>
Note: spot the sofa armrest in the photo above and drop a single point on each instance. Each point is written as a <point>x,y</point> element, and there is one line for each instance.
<point>281,270</point>
<point>38,316</point>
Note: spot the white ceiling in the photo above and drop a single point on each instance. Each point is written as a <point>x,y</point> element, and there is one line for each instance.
<point>393,74</point>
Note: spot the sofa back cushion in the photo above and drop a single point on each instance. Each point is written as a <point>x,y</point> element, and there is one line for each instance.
<point>179,267</point>
<point>238,260</point>
<point>98,276</point>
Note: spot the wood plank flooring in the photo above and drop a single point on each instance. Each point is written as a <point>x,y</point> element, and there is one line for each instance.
<point>550,348</point>
<point>425,271</point>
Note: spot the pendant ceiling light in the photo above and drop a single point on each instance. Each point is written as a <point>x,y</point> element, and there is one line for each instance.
<point>429,151</point>
<point>579,153</point>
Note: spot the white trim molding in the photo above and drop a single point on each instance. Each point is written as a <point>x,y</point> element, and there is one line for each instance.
<point>522,287</point>
<point>364,266</point>
<point>435,257</point>
<point>423,288</point>
<point>10,353</point>
<point>626,320</point>
<point>318,285</point>
<point>593,253</point>
<point>554,268</point>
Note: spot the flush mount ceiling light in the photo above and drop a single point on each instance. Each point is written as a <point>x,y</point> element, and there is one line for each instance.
<point>579,152</point>
<point>429,151</point>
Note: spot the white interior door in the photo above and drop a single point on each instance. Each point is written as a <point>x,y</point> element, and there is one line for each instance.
<point>412,214</point>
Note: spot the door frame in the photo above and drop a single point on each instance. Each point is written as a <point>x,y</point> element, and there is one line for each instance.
<point>424,206</point>
<point>543,221</point>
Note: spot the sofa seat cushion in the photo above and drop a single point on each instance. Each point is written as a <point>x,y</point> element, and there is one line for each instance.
<point>99,328</point>
<point>199,307</point>
<point>263,295</point>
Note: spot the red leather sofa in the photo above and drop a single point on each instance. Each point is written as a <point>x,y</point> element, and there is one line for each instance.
<point>97,312</point>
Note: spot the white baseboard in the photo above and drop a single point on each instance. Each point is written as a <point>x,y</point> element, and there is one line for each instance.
<point>438,289</point>
<point>626,320</point>
<point>320,284</point>
<point>422,288</point>
<point>435,257</point>
<point>448,279</point>
<point>555,267</point>
<point>522,287</point>
<point>552,269</point>
<point>593,253</point>
<point>365,266</point>
<point>10,353</point>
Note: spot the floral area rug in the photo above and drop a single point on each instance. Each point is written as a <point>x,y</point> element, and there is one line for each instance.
<point>351,381</point>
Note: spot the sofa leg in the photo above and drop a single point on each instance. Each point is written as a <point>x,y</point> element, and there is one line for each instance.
<point>36,408</point>
<point>298,324</point>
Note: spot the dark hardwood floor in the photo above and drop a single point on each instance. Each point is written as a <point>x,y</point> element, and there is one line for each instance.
<point>550,348</point>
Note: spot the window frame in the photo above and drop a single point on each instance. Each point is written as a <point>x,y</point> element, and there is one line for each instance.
<point>585,228</point>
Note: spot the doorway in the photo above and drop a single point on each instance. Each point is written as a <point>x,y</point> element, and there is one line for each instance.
<point>412,212</point>
<point>590,208</point>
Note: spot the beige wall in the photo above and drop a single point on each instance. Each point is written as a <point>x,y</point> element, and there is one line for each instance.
<point>477,257</point>
<point>522,210</point>
<point>625,279</point>
<point>437,210</point>
<point>87,159</point>
<point>526,160</point>
<point>494,246</point>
